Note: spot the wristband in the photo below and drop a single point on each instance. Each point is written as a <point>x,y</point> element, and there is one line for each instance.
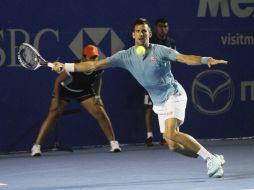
<point>204,60</point>
<point>69,67</point>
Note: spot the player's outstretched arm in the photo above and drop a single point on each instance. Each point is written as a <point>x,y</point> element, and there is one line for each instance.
<point>87,66</point>
<point>198,60</point>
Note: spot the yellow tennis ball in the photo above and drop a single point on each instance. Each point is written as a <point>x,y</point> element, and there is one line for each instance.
<point>140,50</point>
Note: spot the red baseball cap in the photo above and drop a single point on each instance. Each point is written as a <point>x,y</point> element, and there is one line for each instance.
<point>90,51</point>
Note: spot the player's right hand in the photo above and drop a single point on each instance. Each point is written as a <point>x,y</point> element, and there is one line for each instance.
<point>58,67</point>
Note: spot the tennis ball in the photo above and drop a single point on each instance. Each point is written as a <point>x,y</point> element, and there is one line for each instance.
<point>140,50</point>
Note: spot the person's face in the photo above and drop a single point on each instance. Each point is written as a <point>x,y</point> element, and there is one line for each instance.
<point>161,29</point>
<point>141,35</point>
<point>93,58</point>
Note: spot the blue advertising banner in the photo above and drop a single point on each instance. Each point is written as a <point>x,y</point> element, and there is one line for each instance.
<point>220,99</point>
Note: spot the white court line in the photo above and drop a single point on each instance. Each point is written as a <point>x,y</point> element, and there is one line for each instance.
<point>2,184</point>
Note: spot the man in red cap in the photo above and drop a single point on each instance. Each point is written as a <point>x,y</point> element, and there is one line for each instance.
<point>90,51</point>
<point>84,88</point>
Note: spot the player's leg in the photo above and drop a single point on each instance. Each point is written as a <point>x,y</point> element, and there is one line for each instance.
<point>173,145</point>
<point>178,141</point>
<point>148,119</point>
<point>171,116</point>
<point>188,146</point>
<point>55,111</point>
<point>95,107</point>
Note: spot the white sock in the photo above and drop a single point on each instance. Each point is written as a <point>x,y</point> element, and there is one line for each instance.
<point>204,153</point>
<point>149,134</point>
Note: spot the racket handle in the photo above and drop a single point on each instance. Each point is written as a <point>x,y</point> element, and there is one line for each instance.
<point>50,64</point>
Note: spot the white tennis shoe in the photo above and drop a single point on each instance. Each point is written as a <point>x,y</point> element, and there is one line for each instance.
<point>214,166</point>
<point>114,146</point>
<point>220,171</point>
<point>221,158</point>
<point>36,150</point>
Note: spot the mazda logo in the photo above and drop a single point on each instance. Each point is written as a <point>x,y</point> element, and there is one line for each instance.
<point>212,92</point>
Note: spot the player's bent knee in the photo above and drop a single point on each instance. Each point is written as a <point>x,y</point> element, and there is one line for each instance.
<point>172,146</point>
<point>169,136</point>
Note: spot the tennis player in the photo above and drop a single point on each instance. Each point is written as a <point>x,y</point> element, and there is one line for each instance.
<point>153,72</point>
<point>83,88</point>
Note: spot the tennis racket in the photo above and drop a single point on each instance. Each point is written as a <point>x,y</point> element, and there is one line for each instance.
<point>30,58</point>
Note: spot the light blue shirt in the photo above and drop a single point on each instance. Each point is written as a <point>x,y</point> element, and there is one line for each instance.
<point>152,71</point>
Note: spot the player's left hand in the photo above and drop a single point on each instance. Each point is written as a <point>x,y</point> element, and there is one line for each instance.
<point>215,62</point>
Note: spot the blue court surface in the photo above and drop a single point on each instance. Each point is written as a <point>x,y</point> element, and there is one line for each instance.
<point>137,167</point>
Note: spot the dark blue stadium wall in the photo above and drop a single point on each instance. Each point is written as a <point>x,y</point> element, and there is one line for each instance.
<point>220,100</point>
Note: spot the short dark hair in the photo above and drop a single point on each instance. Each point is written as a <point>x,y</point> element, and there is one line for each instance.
<point>140,21</point>
<point>161,20</point>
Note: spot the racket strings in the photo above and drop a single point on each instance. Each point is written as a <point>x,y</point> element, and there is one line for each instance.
<point>29,58</point>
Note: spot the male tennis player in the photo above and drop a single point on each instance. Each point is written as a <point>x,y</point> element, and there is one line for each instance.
<point>153,72</point>
<point>85,89</point>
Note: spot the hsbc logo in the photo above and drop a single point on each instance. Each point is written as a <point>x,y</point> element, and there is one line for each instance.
<point>226,8</point>
<point>96,36</point>
<point>212,92</point>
